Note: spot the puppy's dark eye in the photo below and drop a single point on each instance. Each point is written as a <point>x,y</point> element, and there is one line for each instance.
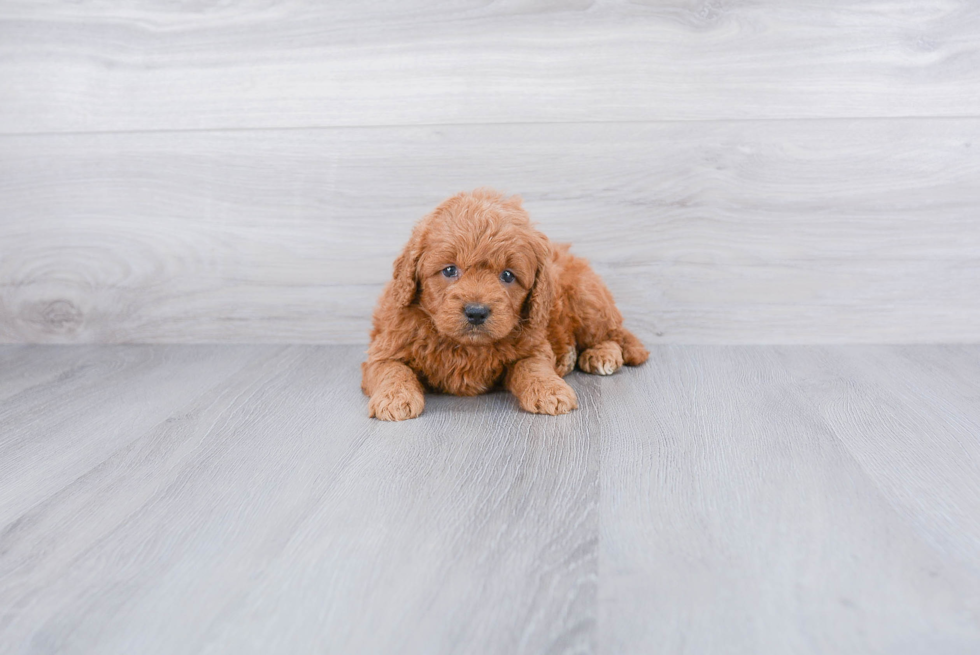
<point>507,277</point>
<point>450,271</point>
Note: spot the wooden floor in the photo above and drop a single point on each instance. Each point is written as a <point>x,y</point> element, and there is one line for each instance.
<point>236,499</point>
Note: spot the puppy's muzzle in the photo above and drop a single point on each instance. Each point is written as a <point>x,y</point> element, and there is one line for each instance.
<point>476,313</point>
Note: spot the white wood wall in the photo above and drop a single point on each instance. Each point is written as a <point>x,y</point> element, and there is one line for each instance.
<point>737,171</point>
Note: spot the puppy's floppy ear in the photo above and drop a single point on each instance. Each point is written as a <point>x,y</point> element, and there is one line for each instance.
<point>403,287</point>
<point>542,295</point>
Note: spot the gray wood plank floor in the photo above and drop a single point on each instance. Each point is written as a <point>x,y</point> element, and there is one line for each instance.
<point>228,499</point>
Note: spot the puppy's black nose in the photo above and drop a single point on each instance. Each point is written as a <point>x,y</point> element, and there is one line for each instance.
<point>475,313</point>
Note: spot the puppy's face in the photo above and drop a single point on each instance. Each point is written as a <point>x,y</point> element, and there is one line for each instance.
<point>477,268</point>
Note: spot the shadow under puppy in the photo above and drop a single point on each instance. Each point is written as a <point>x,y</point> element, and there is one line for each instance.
<point>478,298</point>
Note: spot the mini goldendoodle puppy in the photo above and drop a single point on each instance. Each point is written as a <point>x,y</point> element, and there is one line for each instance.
<point>479,297</point>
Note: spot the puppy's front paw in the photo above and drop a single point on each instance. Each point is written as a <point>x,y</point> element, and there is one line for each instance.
<point>565,363</point>
<point>396,404</point>
<point>549,397</point>
<point>603,359</point>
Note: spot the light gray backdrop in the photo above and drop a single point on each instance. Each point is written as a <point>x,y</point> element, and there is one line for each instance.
<point>738,172</point>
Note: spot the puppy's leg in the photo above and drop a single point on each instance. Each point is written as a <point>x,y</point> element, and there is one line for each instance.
<point>538,388</point>
<point>561,336</point>
<point>565,358</point>
<point>604,343</point>
<point>634,353</point>
<point>602,359</point>
<point>607,357</point>
<point>395,390</point>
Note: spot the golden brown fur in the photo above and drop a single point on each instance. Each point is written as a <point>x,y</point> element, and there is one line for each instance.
<point>554,312</point>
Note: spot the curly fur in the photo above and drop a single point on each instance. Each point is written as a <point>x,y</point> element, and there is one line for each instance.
<point>556,312</point>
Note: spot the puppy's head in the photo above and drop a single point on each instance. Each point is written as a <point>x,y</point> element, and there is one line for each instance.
<point>477,268</point>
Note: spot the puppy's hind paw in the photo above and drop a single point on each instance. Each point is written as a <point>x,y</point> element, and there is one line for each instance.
<point>634,353</point>
<point>603,359</point>
<point>396,404</point>
<point>549,397</point>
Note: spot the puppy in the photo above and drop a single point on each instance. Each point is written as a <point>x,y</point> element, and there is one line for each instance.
<point>479,298</point>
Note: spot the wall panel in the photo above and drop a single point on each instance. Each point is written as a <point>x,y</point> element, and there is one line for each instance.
<point>723,232</point>
<point>108,66</point>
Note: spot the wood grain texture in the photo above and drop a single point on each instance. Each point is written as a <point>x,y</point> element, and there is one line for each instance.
<point>229,499</point>
<point>729,232</point>
<point>54,425</point>
<point>67,66</point>
<point>804,500</point>
<point>268,514</point>
<point>923,404</point>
